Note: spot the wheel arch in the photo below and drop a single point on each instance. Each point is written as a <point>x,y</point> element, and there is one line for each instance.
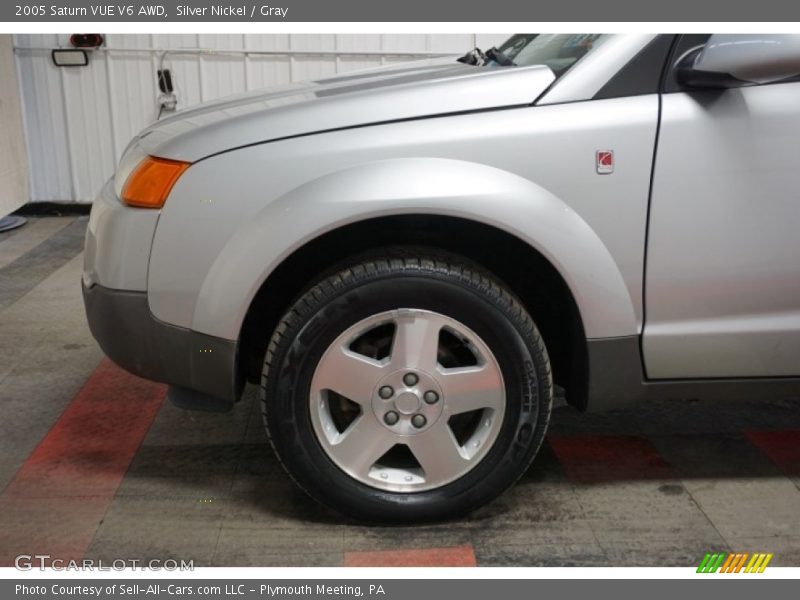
<point>525,271</point>
<point>433,201</point>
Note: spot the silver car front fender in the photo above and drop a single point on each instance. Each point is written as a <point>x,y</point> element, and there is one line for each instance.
<point>401,186</point>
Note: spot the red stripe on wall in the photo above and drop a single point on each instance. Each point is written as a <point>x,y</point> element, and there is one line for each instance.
<point>608,458</point>
<point>59,496</point>
<point>457,556</point>
<point>782,447</point>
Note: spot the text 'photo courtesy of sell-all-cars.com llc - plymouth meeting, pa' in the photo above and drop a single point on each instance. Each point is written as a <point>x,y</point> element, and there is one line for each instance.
<point>410,260</point>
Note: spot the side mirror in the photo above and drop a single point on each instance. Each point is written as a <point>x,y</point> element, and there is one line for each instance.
<point>733,60</point>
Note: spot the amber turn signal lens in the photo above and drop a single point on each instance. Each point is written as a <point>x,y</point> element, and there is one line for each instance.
<point>151,181</point>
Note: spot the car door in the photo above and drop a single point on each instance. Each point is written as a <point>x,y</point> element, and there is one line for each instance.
<point>722,280</point>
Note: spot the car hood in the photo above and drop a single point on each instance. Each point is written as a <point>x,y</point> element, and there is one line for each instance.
<point>415,90</point>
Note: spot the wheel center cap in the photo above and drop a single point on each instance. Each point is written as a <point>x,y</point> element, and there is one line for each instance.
<point>398,401</point>
<point>407,403</point>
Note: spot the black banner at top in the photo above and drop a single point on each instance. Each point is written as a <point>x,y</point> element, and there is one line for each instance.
<point>189,11</point>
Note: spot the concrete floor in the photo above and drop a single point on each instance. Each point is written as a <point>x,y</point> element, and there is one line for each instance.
<point>94,464</point>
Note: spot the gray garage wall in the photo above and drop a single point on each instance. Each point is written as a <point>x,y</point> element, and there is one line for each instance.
<point>13,167</point>
<point>79,120</point>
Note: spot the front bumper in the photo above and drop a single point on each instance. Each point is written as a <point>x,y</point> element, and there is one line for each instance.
<point>133,338</point>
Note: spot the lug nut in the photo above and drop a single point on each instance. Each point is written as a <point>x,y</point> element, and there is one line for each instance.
<point>431,397</point>
<point>391,417</point>
<point>386,392</point>
<point>418,421</point>
<point>410,379</point>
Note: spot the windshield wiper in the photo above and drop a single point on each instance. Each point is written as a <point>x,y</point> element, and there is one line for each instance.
<point>479,58</point>
<point>473,57</point>
<point>500,58</point>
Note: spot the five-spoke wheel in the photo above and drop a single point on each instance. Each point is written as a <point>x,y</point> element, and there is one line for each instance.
<point>406,389</point>
<point>404,421</point>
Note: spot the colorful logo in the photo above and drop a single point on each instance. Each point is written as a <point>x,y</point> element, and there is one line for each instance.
<point>740,562</point>
<point>604,160</point>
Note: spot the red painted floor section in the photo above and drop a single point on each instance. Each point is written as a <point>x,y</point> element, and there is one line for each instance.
<point>63,489</point>
<point>782,447</point>
<point>608,458</point>
<point>457,556</point>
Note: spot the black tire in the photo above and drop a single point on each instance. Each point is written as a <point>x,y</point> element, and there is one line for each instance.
<point>386,280</point>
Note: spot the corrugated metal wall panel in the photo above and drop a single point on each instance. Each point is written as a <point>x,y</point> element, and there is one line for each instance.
<point>132,88</point>
<point>13,159</point>
<point>43,104</point>
<point>78,121</point>
<point>88,125</point>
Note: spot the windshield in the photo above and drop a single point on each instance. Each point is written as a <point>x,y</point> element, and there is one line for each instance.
<point>559,51</point>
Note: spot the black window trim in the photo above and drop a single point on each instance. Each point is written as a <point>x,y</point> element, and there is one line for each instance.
<point>642,74</point>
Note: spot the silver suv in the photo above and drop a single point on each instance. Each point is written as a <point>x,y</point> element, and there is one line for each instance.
<point>409,259</point>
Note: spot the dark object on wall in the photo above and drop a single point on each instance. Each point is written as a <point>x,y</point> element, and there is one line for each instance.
<point>166,99</point>
<point>70,58</point>
<point>86,40</point>
<point>165,81</point>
